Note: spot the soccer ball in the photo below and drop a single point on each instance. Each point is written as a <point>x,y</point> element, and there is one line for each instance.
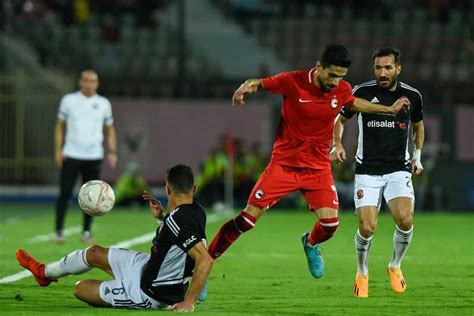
<point>96,198</point>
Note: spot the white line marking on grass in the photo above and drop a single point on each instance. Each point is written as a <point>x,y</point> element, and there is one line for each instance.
<point>123,244</point>
<point>15,277</point>
<point>47,237</point>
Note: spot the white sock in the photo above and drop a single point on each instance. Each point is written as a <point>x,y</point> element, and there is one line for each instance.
<point>401,241</point>
<point>73,263</point>
<point>362,246</point>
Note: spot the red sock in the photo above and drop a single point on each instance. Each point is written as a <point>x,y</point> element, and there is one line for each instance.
<point>229,233</point>
<point>323,230</point>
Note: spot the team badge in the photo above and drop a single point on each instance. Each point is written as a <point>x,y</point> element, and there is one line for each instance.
<point>360,194</point>
<point>95,106</point>
<point>334,102</point>
<point>259,194</point>
<point>402,125</point>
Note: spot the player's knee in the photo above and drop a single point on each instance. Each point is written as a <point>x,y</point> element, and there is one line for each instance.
<point>405,223</point>
<point>80,290</point>
<point>95,255</point>
<point>367,228</point>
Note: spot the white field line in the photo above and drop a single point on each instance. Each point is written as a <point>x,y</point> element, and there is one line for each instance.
<point>123,244</point>
<point>48,237</point>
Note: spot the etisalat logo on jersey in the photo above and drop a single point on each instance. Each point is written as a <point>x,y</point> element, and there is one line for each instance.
<point>387,124</point>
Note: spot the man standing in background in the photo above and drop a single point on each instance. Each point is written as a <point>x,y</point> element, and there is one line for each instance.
<point>84,118</point>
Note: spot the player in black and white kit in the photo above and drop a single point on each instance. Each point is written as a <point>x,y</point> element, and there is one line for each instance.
<point>141,280</point>
<point>383,164</point>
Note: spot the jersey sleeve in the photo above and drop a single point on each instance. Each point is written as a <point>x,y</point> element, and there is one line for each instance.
<point>108,118</point>
<point>278,84</point>
<point>417,104</point>
<point>186,230</point>
<point>346,112</point>
<point>350,99</point>
<point>63,109</point>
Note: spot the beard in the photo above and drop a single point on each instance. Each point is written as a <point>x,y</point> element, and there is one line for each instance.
<point>325,87</point>
<point>387,85</point>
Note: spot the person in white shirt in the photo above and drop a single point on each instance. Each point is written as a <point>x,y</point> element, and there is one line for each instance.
<point>84,118</point>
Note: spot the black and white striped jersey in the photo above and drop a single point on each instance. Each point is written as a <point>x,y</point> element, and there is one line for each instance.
<point>165,277</point>
<point>383,138</point>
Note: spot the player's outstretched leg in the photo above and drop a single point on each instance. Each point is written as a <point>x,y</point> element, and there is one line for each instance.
<point>77,262</point>
<point>323,230</point>
<point>230,231</point>
<point>35,267</point>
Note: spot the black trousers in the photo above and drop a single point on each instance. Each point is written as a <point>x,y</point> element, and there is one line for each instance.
<point>89,170</point>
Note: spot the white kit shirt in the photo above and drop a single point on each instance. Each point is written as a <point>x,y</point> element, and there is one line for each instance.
<point>85,118</point>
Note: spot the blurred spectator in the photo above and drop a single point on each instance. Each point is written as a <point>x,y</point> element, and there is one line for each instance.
<point>210,181</point>
<point>130,186</point>
<point>82,10</point>
<point>249,163</point>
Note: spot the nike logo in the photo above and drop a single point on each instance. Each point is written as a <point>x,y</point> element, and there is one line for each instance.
<point>304,100</point>
<point>335,202</point>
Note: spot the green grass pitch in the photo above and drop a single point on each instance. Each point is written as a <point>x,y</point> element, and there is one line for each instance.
<point>265,271</point>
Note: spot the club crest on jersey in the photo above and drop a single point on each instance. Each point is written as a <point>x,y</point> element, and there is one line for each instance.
<point>360,194</point>
<point>259,194</point>
<point>95,106</point>
<point>334,102</point>
<point>402,125</point>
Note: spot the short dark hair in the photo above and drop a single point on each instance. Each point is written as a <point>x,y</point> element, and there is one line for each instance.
<point>336,55</point>
<point>387,51</point>
<point>88,71</point>
<point>180,178</point>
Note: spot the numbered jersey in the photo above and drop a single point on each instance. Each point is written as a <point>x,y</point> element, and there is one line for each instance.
<point>165,277</point>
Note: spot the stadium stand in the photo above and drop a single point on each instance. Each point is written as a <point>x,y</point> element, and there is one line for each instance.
<point>137,38</point>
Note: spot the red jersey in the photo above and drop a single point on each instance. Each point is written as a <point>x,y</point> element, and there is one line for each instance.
<point>305,131</point>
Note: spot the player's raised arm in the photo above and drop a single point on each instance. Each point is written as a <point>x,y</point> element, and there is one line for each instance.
<point>364,106</point>
<point>202,269</point>
<point>338,153</point>
<point>249,86</point>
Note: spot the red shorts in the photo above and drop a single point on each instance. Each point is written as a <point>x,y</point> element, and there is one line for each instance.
<point>277,181</point>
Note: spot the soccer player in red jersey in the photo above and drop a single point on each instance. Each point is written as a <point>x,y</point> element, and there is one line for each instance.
<point>300,158</point>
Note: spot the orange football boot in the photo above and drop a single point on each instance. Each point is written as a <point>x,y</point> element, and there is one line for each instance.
<point>361,286</point>
<point>396,277</point>
<point>36,268</point>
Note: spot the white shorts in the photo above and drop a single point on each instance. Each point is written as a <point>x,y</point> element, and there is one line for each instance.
<point>124,291</point>
<point>368,189</point>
